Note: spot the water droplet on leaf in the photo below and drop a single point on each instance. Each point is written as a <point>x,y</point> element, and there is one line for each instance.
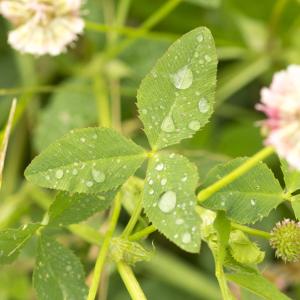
<point>168,124</point>
<point>167,201</point>
<point>183,78</point>
<point>203,105</point>
<point>98,176</point>
<point>59,174</point>
<point>194,125</point>
<point>186,238</point>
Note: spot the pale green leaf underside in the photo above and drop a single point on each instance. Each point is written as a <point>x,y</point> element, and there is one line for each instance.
<point>13,240</point>
<point>176,98</point>
<point>70,107</point>
<point>291,177</point>
<point>247,199</point>
<point>58,273</point>
<point>87,160</point>
<point>169,199</point>
<point>258,285</point>
<point>70,209</point>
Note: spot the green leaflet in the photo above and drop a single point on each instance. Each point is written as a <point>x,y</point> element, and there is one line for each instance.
<point>247,199</point>
<point>291,177</point>
<point>169,199</point>
<point>206,3</point>
<point>70,209</point>
<point>296,206</point>
<point>258,285</point>
<point>70,107</point>
<point>176,98</point>
<point>88,160</point>
<point>243,250</point>
<point>13,240</point>
<point>58,273</point>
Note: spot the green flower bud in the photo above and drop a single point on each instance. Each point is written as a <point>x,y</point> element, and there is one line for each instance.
<point>285,239</point>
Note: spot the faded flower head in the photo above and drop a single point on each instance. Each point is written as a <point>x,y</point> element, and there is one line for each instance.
<point>285,239</point>
<point>42,26</point>
<point>281,103</point>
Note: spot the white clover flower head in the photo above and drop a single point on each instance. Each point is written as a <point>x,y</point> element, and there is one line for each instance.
<point>281,104</point>
<point>42,26</point>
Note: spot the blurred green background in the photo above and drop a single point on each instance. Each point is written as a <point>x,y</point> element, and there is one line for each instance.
<point>253,38</point>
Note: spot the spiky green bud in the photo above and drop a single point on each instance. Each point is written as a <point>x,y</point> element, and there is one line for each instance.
<point>285,239</point>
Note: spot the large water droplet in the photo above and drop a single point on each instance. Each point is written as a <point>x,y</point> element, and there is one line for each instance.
<point>186,238</point>
<point>59,174</point>
<point>168,124</point>
<point>194,125</point>
<point>163,181</point>
<point>98,176</point>
<point>159,167</point>
<point>167,201</point>
<point>183,78</point>
<point>89,183</point>
<point>203,105</point>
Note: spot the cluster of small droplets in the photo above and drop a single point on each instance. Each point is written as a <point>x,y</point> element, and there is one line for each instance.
<point>285,239</point>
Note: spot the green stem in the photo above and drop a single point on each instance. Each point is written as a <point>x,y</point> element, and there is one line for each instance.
<point>130,282</point>
<point>100,92</point>
<point>142,233</point>
<point>275,17</point>
<point>133,219</point>
<point>153,20</point>
<point>242,169</point>
<point>251,231</point>
<point>226,295</point>
<point>130,32</point>
<point>105,248</point>
<point>122,12</point>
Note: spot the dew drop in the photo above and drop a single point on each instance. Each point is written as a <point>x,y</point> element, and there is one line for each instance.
<point>184,178</point>
<point>98,176</point>
<point>200,38</point>
<point>163,181</point>
<point>151,192</point>
<point>168,124</point>
<point>194,125</point>
<point>186,238</point>
<point>75,172</point>
<point>59,174</point>
<point>207,58</point>
<point>183,78</point>
<point>82,140</point>
<point>203,105</point>
<point>89,183</point>
<point>159,167</point>
<point>144,111</point>
<point>253,202</point>
<point>179,221</point>
<point>167,201</point>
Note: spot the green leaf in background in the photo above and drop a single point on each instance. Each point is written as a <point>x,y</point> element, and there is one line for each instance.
<point>247,199</point>
<point>72,106</point>
<point>70,209</point>
<point>296,206</point>
<point>13,240</point>
<point>291,177</point>
<point>88,160</point>
<point>206,3</point>
<point>176,98</point>
<point>58,273</point>
<point>258,285</point>
<point>243,250</point>
<point>169,199</point>
<point>4,137</point>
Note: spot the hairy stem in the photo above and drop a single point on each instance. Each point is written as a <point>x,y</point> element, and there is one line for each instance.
<point>142,233</point>
<point>130,282</point>
<point>105,248</point>
<point>242,169</point>
<point>251,231</point>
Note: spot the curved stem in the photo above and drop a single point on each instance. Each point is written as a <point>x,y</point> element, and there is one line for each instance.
<point>104,249</point>
<point>251,231</point>
<point>133,219</point>
<point>130,282</point>
<point>242,169</point>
